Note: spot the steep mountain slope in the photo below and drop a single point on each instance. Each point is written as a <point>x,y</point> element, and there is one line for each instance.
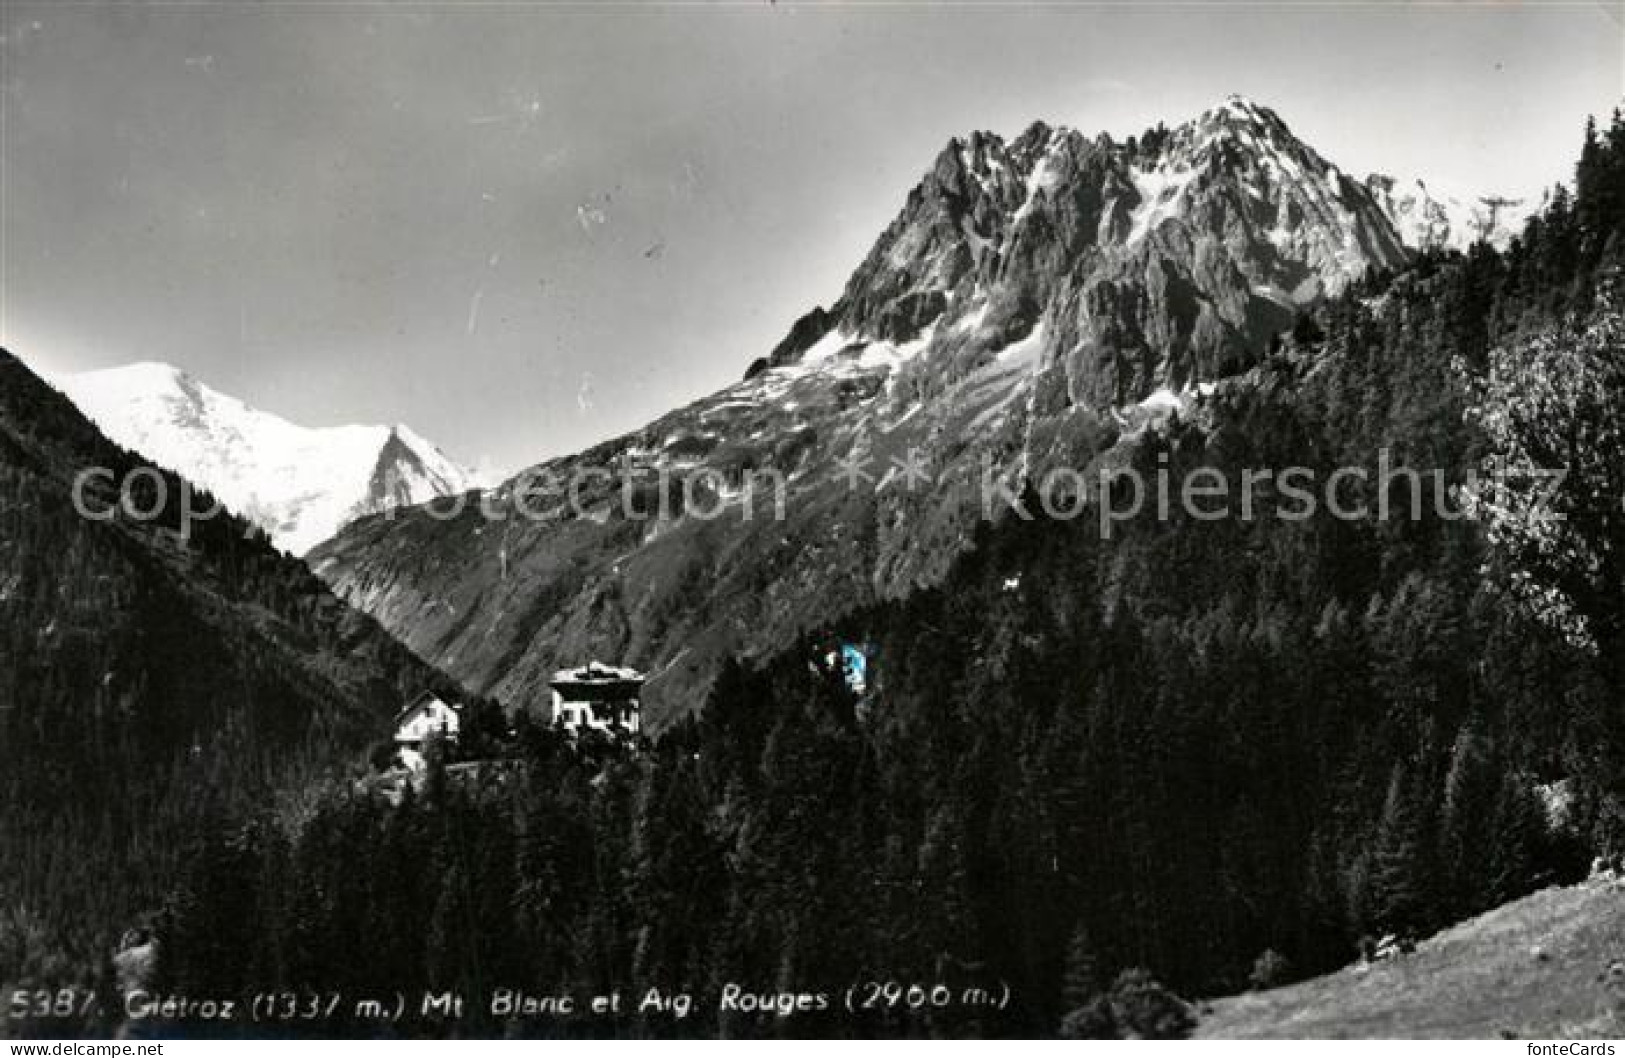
<point>1214,751</point>
<point>147,678</point>
<point>1034,299</point>
<point>1544,967</point>
<point>299,484</point>
<point>1429,215</point>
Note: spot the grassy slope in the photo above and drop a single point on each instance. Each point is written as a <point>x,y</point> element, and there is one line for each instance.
<point>1484,978</point>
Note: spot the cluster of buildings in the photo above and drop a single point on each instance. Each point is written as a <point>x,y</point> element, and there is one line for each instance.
<point>595,697</point>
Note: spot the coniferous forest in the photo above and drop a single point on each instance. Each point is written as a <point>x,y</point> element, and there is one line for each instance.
<point>153,685</point>
<point>1086,775</point>
<point>1197,756</point>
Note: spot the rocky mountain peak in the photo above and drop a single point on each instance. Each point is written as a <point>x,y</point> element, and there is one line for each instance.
<point>1031,297</point>
<point>1238,111</point>
<point>1236,131</point>
<point>1185,245</point>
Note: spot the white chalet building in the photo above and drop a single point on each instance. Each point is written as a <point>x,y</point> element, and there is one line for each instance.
<point>427,716</point>
<point>597,696</point>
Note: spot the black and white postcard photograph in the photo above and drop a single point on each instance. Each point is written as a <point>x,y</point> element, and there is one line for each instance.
<point>549,520</point>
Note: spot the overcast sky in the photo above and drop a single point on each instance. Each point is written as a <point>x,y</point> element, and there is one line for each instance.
<point>524,227</point>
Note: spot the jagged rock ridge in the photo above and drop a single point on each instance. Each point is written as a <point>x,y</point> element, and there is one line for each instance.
<point>1033,300</point>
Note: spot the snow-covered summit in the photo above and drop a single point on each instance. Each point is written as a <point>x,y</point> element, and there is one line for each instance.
<point>301,484</point>
<point>1431,214</point>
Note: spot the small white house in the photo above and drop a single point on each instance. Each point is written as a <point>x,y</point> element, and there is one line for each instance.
<point>597,696</point>
<point>427,716</point>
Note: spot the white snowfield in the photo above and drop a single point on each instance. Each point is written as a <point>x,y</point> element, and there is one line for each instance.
<point>1431,214</point>
<point>300,484</point>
